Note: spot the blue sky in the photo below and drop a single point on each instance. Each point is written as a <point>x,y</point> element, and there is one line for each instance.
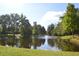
<point>42,13</point>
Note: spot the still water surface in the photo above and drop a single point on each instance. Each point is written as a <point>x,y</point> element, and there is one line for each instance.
<point>44,43</point>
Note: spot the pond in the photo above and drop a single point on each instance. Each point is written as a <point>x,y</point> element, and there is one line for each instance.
<point>44,43</point>
<point>41,43</point>
<point>49,43</point>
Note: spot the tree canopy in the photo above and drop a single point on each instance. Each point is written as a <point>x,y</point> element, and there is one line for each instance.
<point>69,21</point>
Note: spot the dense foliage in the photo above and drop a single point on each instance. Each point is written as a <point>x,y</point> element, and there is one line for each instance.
<point>13,26</point>
<point>69,24</point>
<point>38,29</point>
<point>25,31</point>
<point>50,29</point>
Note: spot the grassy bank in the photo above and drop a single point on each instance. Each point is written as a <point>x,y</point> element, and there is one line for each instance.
<point>72,39</point>
<point>9,51</point>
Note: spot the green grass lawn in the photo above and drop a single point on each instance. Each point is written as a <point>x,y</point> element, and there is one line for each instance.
<point>9,51</point>
<point>73,40</point>
<point>70,37</point>
<point>66,37</point>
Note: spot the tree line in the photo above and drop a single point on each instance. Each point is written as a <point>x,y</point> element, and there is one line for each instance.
<point>69,24</point>
<point>13,24</point>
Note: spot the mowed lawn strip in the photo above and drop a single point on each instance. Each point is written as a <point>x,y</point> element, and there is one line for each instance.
<point>10,51</point>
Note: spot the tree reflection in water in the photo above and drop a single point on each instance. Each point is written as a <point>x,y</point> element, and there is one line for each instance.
<point>26,43</point>
<point>65,45</point>
<point>51,42</point>
<point>37,42</point>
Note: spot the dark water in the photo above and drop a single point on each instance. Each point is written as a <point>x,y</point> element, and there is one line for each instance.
<point>41,43</point>
<point>50,43</point>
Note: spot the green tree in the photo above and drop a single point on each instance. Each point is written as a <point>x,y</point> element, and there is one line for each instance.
<point>43,31</point>
<point>69,20</point>
<point>9,25</point>
<point>58,30</point>
<point>77,22</point>
<point>35,29</point>
<point>3,34</point>
<point>50,29</point>
<point>25,30</point>
<point>38,29</point>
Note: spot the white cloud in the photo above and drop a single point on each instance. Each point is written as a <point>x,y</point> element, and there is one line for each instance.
<point>51,17</point>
